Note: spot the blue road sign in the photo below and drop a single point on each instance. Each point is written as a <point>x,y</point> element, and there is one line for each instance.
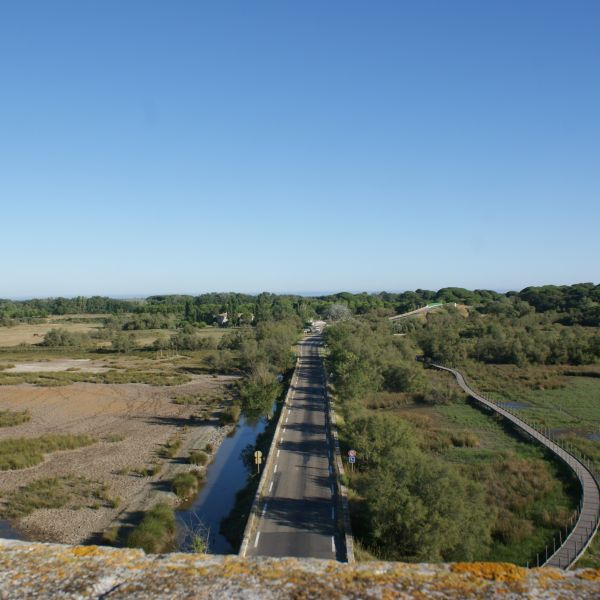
<point>352,459</point>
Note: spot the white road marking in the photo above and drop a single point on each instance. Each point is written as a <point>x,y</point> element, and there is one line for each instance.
<point>283,430</point>
<point>275,469</point>
<point>278,451</point>
<point>258,536</point>
<point>330,470</point>
<point>271,487</point>
<point>264,510</point>
<point>329,454</point>
<point>332,544</point>
<point>286,419</point>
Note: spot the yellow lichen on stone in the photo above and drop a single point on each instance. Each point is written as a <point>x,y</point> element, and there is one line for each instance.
<point>491,571</point>
<point>590,574</point>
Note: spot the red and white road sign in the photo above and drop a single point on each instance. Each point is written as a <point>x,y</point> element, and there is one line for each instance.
<point>352,453</point>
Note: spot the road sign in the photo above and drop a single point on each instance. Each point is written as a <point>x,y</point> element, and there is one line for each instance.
<point>352,453</point>
<point>258,459</point>
<point>352,459</point>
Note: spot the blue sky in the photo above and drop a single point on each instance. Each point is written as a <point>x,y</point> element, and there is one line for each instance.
<point>150,147</point>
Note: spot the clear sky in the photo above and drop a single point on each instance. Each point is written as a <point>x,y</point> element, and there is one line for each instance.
<point>189,146</point>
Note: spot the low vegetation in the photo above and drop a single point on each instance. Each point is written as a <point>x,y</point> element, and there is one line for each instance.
<point>57,378</point>
<point>198,457</point>
<point>156,531</point>
<point>57,492</point>
<point>185,485</point>
<point>10,418</point>
<point>436,479</point>
<point>20,453</point>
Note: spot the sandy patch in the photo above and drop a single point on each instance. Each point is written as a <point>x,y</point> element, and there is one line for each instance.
<point>143,416</point>
<point>49,366</point>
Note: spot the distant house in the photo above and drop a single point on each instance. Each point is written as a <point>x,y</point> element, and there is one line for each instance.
<point>221,319</point>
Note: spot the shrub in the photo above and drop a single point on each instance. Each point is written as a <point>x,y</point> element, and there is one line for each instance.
<point>231,414</point>
<point>197,457</point>
<point>185,484</point>
<point>156,531</point>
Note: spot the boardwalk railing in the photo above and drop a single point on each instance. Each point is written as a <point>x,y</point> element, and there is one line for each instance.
<point>569,544</point>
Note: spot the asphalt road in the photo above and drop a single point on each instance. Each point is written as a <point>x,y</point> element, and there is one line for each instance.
<point>298,515</point>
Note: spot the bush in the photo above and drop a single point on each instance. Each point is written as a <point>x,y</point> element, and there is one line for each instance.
<point>197,457</point>
<point>156,531</point>
<point>231,414</point>
<point>185,485</point>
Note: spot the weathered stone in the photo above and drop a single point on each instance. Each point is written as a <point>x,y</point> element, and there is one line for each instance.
<point>31,570</point>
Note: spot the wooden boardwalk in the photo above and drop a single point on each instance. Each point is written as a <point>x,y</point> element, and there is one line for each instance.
<point>571,544</point>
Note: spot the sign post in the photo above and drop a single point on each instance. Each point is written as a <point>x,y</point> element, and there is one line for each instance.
<point>352,458</point>
<point>258,460</point>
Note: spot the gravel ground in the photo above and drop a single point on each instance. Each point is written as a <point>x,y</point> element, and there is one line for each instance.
<point>142,415</point>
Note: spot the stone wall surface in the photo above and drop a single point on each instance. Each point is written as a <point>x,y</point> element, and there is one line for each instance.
<point>32,570</point>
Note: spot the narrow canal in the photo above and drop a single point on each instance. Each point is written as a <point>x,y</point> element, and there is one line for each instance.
<point>225,476</point>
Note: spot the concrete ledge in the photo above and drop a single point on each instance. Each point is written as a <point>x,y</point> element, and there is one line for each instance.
<point>69,572</point>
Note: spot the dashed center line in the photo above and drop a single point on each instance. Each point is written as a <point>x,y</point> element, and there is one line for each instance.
<point>275,469</point>
<point>332,544</point>
<point>264,510</point>
<point>257,538</point>
<point>278,451</point>
<point>271,487</point>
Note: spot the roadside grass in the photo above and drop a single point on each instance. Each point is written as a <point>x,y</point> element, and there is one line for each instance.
<point>10,418</point>
<point>56,492</point>
<point>20,453</point>
<point>156,531</point>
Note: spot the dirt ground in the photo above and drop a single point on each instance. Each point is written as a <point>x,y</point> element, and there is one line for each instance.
<point>131,422</point>
<point>79,364</point>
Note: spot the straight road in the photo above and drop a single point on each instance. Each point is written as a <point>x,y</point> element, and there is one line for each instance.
<point>298,509</point>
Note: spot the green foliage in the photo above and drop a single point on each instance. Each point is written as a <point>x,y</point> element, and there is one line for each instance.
<point>258,392</point>
<point>197,457</point>
<point>185,485</point>
<point>421,509</point>
<point>64,338</point>
<point>156,531</point>
<point>10,418</point>
<point>231,414</point>
<point>20,453</point>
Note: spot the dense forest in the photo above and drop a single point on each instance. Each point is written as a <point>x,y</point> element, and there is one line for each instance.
<point>577,304</point>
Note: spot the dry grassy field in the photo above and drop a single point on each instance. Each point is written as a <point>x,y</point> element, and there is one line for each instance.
<point>34,333</point>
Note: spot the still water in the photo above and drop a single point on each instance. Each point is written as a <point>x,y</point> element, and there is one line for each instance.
<point>225,476</point>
